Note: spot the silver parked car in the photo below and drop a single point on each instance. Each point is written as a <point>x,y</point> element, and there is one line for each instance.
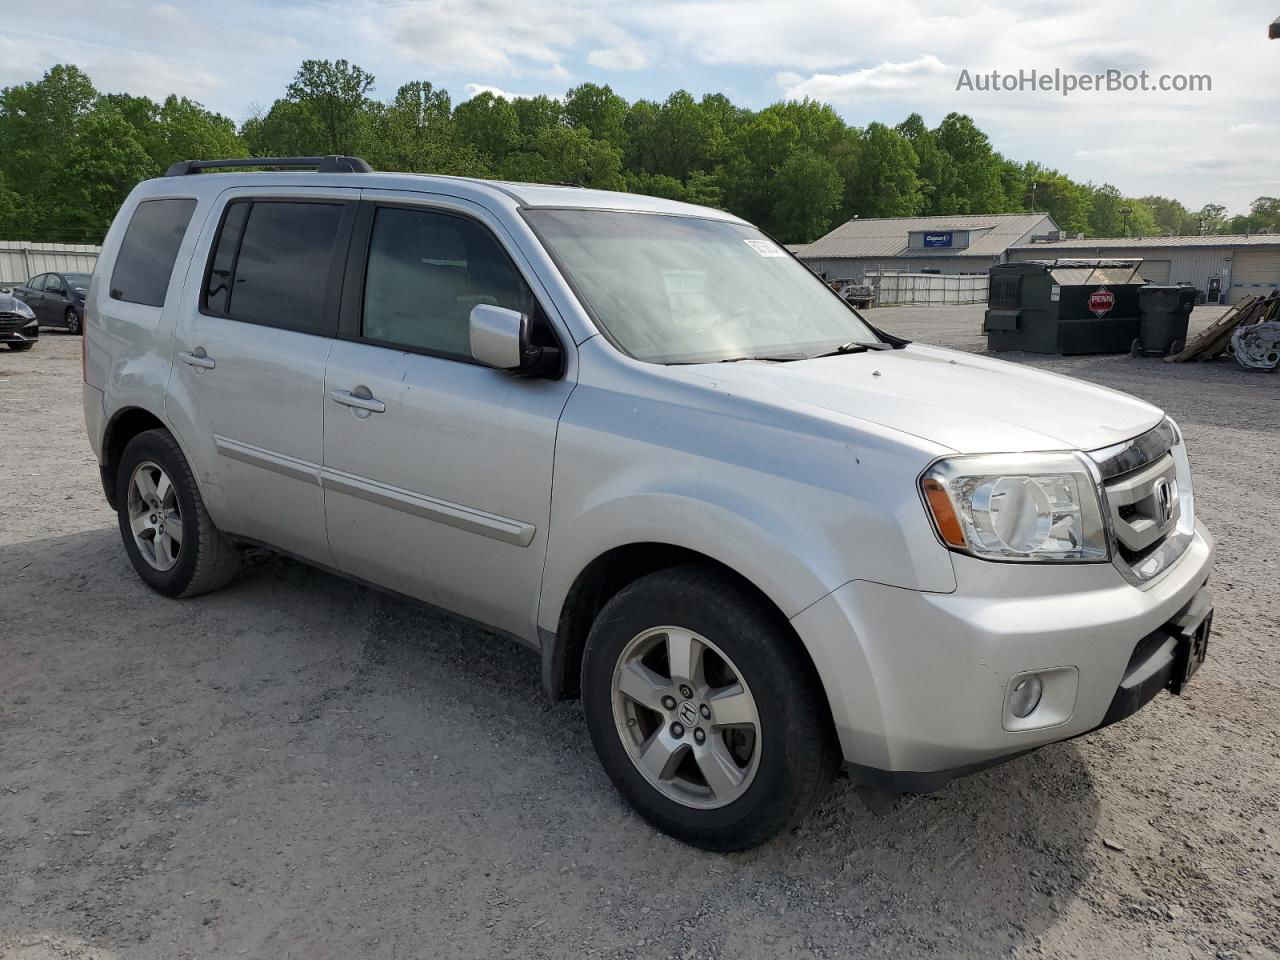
<point>763,541</point>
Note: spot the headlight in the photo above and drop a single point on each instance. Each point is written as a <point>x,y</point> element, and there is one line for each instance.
<point>1017,507</point>
<point>22,309</point>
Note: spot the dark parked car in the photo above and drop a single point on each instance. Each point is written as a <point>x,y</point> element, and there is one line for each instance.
<point>19,327</point>
<point>57,299</point>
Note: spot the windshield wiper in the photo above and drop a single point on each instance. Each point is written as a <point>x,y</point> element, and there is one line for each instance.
<point>789,359</point>
<point>854,346</point>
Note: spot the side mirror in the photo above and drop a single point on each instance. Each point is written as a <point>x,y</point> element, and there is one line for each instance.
<point>501,338</point>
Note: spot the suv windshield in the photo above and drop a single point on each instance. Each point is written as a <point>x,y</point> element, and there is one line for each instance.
<point>675,289</point>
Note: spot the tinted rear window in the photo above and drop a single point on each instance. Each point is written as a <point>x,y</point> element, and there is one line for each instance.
<point>149,249</point>
<point>279,274</point>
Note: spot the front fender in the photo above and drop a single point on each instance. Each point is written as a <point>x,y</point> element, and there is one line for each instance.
<point>752,539</point>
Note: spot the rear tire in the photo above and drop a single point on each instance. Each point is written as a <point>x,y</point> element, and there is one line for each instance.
<point>172,543</point>
<point>768,757</point>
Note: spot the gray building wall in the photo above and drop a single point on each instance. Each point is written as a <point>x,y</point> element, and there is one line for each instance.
<point>1194,265</point>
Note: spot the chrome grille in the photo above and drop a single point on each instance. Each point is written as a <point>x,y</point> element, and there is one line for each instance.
<point>1149,511</point>
<point>9,322</point>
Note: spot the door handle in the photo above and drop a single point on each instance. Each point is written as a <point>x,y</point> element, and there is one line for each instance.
<point>197,358</point>
<point>349,399</point>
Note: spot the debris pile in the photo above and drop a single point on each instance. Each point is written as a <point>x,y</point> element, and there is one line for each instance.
<point>1257,346</point>
<point>1249,331</point>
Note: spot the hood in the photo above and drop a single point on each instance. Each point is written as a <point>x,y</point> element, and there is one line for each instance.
<point>8,302</point>
<point>969,403</point>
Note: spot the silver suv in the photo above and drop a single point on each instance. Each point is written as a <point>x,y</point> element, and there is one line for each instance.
<point>762,540</point>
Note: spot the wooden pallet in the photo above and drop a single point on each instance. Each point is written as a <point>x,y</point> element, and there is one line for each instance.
<point>1216,338</point>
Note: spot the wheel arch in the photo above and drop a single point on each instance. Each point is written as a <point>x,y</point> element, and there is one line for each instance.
<point>122,426</point>
<point>600,580</point>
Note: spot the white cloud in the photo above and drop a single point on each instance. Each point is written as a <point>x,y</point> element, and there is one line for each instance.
<point>502,37</point>
<point>1252,127</point>
<point>619,58</point>
<point>475,89</point>
<point>886,79</point>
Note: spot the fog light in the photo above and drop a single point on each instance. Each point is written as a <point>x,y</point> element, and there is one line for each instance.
<point>1025,696</point>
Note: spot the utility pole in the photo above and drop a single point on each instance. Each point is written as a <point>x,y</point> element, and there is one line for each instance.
<point>1125,211</point>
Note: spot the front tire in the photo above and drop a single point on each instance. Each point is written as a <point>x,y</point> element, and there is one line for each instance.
<point>20,347</point>
<point>172,543</point>
<point>72,321</point>
<point>704,711</point>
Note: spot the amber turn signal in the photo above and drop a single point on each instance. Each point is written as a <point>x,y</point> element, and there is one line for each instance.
<point>944,514</point>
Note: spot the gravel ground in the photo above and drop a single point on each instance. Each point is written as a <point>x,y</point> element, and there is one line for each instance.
<point>301,767</point>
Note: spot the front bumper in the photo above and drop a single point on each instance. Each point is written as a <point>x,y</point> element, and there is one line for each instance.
<point>11,332</point>
<point>918,682</point>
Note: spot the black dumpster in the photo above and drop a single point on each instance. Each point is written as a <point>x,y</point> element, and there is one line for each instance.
<point>1164,312</point>
<point>1063,306</point>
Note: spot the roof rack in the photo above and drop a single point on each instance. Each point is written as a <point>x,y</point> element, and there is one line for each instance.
<point>330,164</point>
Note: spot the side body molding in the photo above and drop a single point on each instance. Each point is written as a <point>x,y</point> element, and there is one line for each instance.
<point>458,515</point>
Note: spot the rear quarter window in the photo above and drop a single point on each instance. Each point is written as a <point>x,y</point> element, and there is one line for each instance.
<point>149,249</point>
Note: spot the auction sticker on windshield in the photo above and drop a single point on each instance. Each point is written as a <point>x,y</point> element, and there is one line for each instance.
<point>765,248</point>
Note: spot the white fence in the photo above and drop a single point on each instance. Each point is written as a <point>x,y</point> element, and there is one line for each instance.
<point>927,288</point>
<point>20,260</point>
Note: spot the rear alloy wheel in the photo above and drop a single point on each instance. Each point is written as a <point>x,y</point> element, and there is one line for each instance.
<point>155,516</point>
<point>72,320</point>
<point>705,711</point>
<point>170,538</point>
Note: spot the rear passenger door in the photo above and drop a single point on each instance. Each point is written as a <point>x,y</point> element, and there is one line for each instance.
<point>437,470</point>
<point>34,296</point>
<point>249,355</point>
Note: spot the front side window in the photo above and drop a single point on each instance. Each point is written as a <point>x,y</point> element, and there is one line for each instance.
<point>425,272</point>
<point>54,284</point>
<point>149,251</point>
<point>37,283</point>
<point>271,263</point>
<point>675,289</point>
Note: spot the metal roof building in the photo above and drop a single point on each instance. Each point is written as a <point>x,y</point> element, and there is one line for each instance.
<point>961,243</point>
<point>1223,267</point>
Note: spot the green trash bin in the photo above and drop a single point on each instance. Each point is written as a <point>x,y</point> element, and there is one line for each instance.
<point>1164,312</point>
<point>1064,306</point>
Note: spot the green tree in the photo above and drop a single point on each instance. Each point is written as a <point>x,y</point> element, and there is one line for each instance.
<point>566,155</point>
<point>976,186</point>
<point>535,114</point>
<point>490,124</point>
<point>806,193</point>
<point>335,93</point>
<point>935,169</point>
<point>1060,197</point>
<point>1171,216</point>
<point>884,182</point>
<point>102,166</point>
<point>40,122</point>
<point>416,133</point>
<point>599,111</point>
<point>189,132</point>
<point>288,129</point>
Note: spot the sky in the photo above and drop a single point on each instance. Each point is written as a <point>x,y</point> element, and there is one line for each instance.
<point>871,61</point>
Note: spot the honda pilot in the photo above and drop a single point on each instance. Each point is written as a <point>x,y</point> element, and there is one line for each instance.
<point>763,541</point>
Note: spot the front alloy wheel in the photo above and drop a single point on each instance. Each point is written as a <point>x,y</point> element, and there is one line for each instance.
<point>705,710</point>
<point>686,717</point>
